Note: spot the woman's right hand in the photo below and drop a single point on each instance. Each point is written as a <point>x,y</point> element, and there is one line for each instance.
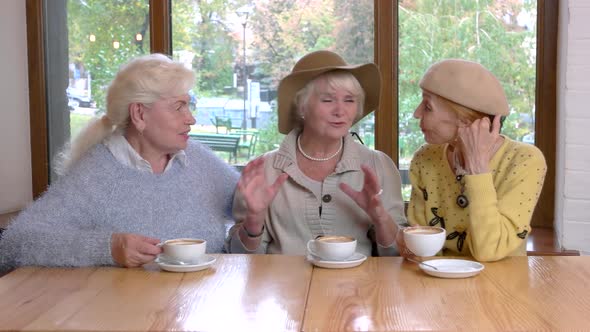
<point>133,250</point>
<point>258,193</point>
<point>401,245</point>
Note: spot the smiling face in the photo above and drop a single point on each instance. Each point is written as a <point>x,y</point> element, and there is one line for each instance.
<point>437,121</point>
<point>167,124</point>
<point>330,110</point>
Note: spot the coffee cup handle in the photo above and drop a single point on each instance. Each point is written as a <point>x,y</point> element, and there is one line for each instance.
<point>311,247</point>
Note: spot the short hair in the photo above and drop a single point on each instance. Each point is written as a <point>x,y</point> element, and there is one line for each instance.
<point>145,80</point>
<point>467,114</point>
<point>336,79</point>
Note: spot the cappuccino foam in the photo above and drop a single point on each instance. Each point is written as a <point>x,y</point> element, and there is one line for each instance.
<point>335,239</point>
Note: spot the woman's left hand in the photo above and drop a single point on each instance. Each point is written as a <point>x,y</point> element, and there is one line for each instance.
<point>368,198</point>
<point>478,143</point>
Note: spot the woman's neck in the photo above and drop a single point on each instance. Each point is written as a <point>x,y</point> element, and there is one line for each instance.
<point>157,159</point>
<point>319,147</point>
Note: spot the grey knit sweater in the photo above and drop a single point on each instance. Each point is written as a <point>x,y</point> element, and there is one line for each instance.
<point>71,224</point>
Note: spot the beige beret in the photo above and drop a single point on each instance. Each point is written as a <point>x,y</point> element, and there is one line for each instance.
<point>466,83</point>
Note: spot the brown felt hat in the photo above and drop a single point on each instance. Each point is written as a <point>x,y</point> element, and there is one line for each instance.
<point>311,66</point>
<point>466,83</point>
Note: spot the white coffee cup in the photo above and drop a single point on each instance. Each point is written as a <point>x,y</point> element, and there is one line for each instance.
<point>184,250</point>
<point>424,240</point>
<point>332,247</point>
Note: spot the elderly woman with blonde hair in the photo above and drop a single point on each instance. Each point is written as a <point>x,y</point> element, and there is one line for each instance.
<point>129,180</point>
<point>320,181</point>
<point>478,184</point>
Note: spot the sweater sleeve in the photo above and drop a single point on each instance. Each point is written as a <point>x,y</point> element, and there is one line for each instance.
<point>499,216</point>
<point>233,243</point>
<point>57,230</point>
<point>392,197</point>
<point>417,206</point>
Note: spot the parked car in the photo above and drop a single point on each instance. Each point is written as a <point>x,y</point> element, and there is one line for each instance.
<point>83,100</point>
<point>72,104</point>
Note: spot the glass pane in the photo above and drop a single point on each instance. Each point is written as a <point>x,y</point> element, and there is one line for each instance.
<point>86,43</point>
<point>501,35</point>
<point>240,50</point>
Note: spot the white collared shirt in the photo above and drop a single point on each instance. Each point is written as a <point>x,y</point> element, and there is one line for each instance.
<point>126,154</point>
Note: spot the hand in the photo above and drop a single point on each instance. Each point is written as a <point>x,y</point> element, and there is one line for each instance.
<point>401,246</point>
<point>479,143</point>
<point>133,250</point>
<point>368,198</point>
<point>258,193</point>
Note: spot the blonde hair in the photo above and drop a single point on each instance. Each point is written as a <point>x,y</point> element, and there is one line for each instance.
<point>336,79</point>
<point>463,113</point>
<point>145,80</point>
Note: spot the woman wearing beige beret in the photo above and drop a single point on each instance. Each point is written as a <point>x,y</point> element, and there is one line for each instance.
<point>479,185</point>
<point>320,181</point>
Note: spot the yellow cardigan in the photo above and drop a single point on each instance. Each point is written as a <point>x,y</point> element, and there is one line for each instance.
<point>497,219</point>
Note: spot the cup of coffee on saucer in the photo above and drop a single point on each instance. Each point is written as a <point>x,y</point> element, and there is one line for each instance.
<point>188,251</point>
<point>424,241</point>
<point>332,247</point>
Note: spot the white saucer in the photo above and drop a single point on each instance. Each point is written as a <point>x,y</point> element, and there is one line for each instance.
<point>203,263</point>
<point>452,268</point>
<point>355,260</point>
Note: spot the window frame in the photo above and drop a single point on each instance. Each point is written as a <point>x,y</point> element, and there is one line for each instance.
<point>386,120</point>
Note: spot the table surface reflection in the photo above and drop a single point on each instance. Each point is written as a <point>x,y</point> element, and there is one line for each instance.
<point>239,292</point>
<point>282,293</point>
<point>390,294</point>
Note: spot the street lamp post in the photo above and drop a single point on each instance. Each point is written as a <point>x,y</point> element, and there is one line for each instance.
<point>244,12</point>
<point>245,74</point>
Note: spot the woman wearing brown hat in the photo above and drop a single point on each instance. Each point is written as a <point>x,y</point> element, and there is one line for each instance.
<point>479,185</point>
<point>320,181</point>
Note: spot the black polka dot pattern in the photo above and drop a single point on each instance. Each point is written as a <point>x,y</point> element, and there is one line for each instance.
<point>504,198</point>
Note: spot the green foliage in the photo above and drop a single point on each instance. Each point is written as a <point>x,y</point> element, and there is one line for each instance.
<point>284,31</point>
<point>484,31</point>
<point>77,122</point>
<point>280,32</point>
<point>108,21</point>
<point>201,27</point>
<point>269,137</point>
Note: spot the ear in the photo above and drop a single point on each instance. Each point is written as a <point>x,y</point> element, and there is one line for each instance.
<point>136,116</point>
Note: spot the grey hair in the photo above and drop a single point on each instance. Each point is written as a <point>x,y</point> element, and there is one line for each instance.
<point>336,79</point>
<point>145,80</point>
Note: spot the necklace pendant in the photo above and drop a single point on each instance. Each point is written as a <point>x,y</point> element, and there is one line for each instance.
<point>462,201</point>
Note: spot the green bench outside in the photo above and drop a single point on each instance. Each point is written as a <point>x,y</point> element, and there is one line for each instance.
<point>225,122</point>
<point>248,141</point>
<point>220,142</point>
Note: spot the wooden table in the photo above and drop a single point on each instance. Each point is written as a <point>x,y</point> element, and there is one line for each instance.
<point>278,293</point>
<point>388,294</point>
<point>239,293</point>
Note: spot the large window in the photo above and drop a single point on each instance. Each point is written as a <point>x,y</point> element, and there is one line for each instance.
<point>240,49</point>
<point>501,35</point>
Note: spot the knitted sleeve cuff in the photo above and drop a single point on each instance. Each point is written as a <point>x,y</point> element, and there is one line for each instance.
<point>480,191</point>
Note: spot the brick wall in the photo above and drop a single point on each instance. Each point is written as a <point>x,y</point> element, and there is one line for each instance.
<point>573,193</point>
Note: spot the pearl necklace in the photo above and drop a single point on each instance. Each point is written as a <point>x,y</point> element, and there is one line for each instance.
<point>317,159</point>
